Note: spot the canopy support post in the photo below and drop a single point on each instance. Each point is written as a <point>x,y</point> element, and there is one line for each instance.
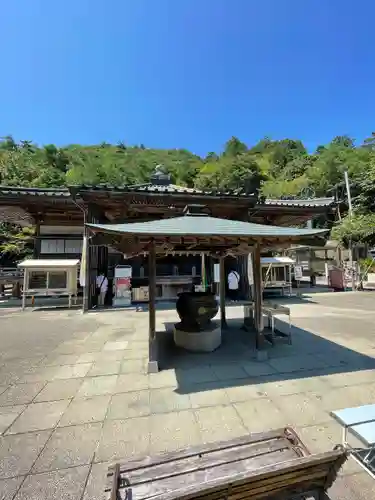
<point>152,341</point>
<point>222,292</point>
<point>258,297</point>
<point>86,270</point>
<point>25,281</point>
<point>37,241</point>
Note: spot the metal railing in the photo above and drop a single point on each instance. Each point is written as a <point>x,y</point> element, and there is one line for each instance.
<point>11,272</point>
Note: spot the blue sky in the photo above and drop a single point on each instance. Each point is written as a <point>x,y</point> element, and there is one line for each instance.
<point>186,73</point>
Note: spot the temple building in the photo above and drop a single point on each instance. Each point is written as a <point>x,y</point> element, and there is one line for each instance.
<point>59,216</point>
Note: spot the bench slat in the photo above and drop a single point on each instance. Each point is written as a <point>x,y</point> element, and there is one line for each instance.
<point>237,456</point>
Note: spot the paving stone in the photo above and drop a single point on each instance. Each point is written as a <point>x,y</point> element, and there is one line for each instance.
<point>132,382</point>
<point>8,415</point>
<point>96,482</point>
<point>39,374</point>
<point>85,410</point>
<point>197,375</point>
<point>129,405</point>
<point>219,423</point>
<point>133,366</point>
<point>115,346</point>
<point>105,368</point>
<point>350,378</point>
<point>173,431</point>
<point>97,386</point>
<point>260,415</point>
<point>298,385</point>
<point>209,394</point>
<point>165,378</point>
<point>8,377</point>
<point>39,416</point>
<point>9,487</point>
<point>72,371</point>
<point>18,453</point>
<point>69,446</point>
<point>111,355</point>
<point>345,397</point>
<point>258,369</point>
<point>124,439</point>
<point>60,359</point>
<point>94,345</point>
<point>291,364</point>
<point>320,438</point>
<point>229,371</point>
<point>23,363</point>
<point>301,409</point>
<point>341,490</point>
<point>245,392</point>
<point>358,486</point>
<point>166,400</point>
<point>59,389</point>
<point>71,347</point>
<point>88,357</point>
<point>66,484</point>
<point>20,394</point>
<point>135,353</point>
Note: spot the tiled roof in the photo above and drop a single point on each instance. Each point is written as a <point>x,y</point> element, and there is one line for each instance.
<point>160,188</point>
<point>12,191</point>
<point>309,202</point>
<point>52,192</point>
<point>203,225</point>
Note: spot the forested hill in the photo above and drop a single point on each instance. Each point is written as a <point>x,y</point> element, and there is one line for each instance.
<point>283,168</point>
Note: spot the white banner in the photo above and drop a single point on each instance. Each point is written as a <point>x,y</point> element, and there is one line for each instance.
<point>250,273</point>
<point>298,274</point>
<point>82,270</point>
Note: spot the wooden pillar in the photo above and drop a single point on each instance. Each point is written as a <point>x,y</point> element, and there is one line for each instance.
<point>258,297</point>
<point>96,259</point>
<point>37,242</point>
<point>25,281</point>
<point>86,270</point>
<point>242,269</point>
<point>152,340</point>
<point>222,292</point>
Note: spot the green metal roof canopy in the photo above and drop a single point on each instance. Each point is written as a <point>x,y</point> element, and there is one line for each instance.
<point>205,226</point>
<point>210,231</point>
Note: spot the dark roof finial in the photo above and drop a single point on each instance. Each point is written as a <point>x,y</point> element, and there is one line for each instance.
<point>160,177</point>
<point>196,210</point>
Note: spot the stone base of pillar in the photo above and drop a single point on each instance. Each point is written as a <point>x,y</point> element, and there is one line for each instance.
<point>203,341</point>
<point>262,355</point>
<point>153,367</point>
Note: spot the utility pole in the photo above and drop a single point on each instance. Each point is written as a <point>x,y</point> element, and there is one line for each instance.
<point>350,215</point>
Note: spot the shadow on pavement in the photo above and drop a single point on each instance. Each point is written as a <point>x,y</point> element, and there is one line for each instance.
<point>234,363</point>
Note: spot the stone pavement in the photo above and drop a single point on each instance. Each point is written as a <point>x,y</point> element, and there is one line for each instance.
<point>74,395</point>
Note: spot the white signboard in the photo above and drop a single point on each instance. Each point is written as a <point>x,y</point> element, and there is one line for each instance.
<point>298,273</point>
<point>123,272</point>
<point>217,273</point>
<point>250,273</point>
<point>123,295</point>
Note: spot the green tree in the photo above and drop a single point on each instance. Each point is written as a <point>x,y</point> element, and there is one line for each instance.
<point>234,147</point>
<point>15,242</point>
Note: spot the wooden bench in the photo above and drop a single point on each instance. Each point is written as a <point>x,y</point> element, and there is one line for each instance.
<point>273,465</point>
